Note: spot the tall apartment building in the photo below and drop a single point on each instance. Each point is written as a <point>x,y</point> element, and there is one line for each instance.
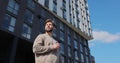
<point>22,20</point>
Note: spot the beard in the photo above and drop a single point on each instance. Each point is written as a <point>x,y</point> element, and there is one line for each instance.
<point>49,30</point>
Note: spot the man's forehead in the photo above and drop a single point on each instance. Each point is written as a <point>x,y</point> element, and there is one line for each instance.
<point>49,23</point>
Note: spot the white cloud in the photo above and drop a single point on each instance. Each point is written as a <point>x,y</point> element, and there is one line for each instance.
<point>105,36</point>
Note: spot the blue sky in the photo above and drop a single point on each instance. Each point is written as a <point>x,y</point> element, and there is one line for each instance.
<point>105,21</point>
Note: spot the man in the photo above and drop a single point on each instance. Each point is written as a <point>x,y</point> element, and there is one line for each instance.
<point>45,47</point>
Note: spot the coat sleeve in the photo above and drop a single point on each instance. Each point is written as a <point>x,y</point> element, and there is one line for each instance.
<point>39,48</point>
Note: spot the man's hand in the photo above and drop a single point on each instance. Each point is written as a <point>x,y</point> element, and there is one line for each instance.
<point>56,46</point>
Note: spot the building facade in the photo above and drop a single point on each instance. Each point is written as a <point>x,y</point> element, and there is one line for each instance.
<point>22,20</point>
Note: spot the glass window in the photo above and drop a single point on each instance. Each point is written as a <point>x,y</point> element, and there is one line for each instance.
<point>26,32</point>
<point>31,4</point>
<point>64,4</point>
<point>75,36</point>
<point>69,52</point>
<point>62,48</point>
<point>55,7</point>
<point>62,59</point>
<point>29,16</point>
<point>75,62</point>
<point>69,40</point>
<point>81,47</point>
<point>61,35</point>
<point>75,44</point>
<point>54,32</point>
<point>85,42</point>
<point>86,51</point>
<point>87,59</point>
<point>76,55</point>
<point>47,3</point>
<point>13,6</point>
<point>41,25</point>
<point>69,61</point>
<point>61,26</point>
<point>82,58</point>
<point>9,22</point>
<point>64,14</point>
<point>68,31</point>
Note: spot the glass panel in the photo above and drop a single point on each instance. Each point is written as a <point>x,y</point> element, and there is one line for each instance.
<point>69,40</point>
<point>61,26</point>
<point>87,59</point>
<point>69,51</point>
<point>75,44</point>
<point>62,59</point>
<point>9,22</point>
<point>62,48</point>
<point>76,55</point>
<point>54,32</point>
<point>31,4</point>
<point>13,6</point>
<point>61,35</point>
<point>54,7</point>
<point>29,16</point>
<point>12,21</point>
<point>82,58</point>
<point>47,3</point>
<point>11,28</point>
<point>26,31</point>
<point>81,47</point>
<point>86,51</point>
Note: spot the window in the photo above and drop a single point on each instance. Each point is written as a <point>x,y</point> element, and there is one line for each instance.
<point>26,32</point>
<point>64,4</point>
<point>13,6</point>
<point>85,42</point>
<point>61,31</point>
<point>69,40</point>
<point>61,35</point>
<point>64,15</point>
<point>28,16</point>
<point>87,59</point>
<point>75,44</point>
<point>86,51</point>
<point>62,48</point>
<point>69,60</point>
<point>61,26</point>
<point>82,58</point>
<point>47,3</point>
<point>55,7</point>
<point>76,62</point>
<point>64,9</point>
<point>75,36</point>
<point>81,47</point>
<point>54,32</point>
<point>41,25</point>
<point>69,51</point>
<point>31,4</point>
<point>76,55</point>
<point>9,22</point>
<point>62,59</point>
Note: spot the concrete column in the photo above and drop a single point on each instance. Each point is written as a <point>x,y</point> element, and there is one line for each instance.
<point>13,50</point>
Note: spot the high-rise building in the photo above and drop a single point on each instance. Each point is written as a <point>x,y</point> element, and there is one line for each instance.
<point>92,59</point>
<point>73,11</point>
<point>22,20</point>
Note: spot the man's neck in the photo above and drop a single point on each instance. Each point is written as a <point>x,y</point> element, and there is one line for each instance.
<point>49,33</point>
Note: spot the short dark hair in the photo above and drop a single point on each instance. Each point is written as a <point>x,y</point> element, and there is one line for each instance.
<point>50,20</point>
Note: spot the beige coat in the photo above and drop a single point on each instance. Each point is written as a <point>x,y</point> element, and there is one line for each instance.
<point>42,48</point>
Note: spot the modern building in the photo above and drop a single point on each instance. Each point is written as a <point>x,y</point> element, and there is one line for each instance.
<point>22,20</point>
<point>92,59</point>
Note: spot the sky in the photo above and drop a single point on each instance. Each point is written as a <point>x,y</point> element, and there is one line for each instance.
<point>105,22</point>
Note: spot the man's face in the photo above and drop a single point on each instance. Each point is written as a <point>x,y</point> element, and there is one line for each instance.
<point>49,27</point>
